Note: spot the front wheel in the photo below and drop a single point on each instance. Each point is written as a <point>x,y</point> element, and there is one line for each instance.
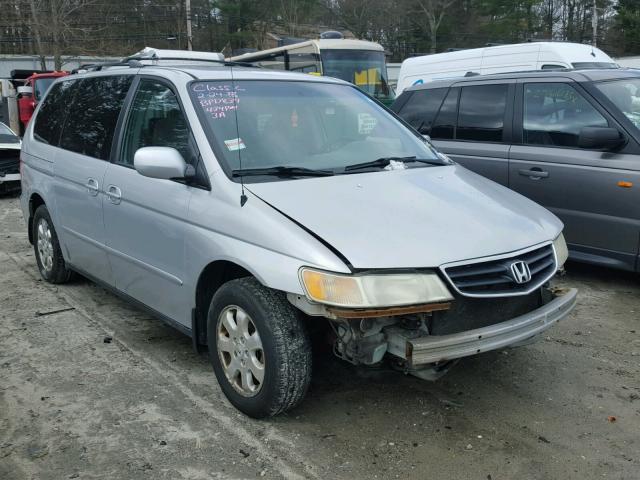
<point>259,348</point>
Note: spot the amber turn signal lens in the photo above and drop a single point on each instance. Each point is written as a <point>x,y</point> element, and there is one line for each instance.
<point>624,184</point>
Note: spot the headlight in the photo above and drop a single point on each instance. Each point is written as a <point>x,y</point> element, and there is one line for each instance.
<point>562,252</point>
<point>368,291</point>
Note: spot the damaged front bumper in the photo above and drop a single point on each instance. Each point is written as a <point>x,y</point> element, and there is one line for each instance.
<point>432,349</point>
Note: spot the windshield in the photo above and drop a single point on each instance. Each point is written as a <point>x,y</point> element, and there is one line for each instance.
<point>625,94</point>
<point>587,65</point>
<point>310,125</point>
<point>41,86</point>
<point>366,69</point>
<point>6,135</point>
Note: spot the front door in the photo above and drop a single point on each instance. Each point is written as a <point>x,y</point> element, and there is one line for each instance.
<point>596,194</point>
<point>145,218</point>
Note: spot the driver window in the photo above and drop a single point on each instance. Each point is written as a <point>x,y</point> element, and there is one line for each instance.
<point>554,114</point>
<point>155,120</point>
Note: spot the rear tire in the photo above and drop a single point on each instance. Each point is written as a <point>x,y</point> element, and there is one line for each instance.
<point>259,348</point>
<point>47,248</point>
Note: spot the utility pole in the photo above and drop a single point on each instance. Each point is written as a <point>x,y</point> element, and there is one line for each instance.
<point>189,36</point>
<point>594,24</point>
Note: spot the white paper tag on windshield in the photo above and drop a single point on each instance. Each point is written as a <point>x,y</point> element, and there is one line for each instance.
<point>366,123</point>
<point>234,144</point>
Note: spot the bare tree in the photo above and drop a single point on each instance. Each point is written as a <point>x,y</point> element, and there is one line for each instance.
<point>435,11</point>
<point>55,21</point>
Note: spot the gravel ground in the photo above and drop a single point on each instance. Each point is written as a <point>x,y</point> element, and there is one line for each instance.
<point>145,406</point>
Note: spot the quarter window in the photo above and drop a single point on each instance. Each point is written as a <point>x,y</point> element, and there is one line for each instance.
<point>482,110</point>
<point>90,127</point>
<point>52,113</point>
<point>156,120</point>
<point>554,114</point>
<point>421,109</point>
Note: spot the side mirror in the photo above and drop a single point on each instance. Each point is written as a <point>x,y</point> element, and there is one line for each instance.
<point>165,163</point>
<point>427,138</point>
<point>600,138</point>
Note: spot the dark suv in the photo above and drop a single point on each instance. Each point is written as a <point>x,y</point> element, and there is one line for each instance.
<point>569,140</point>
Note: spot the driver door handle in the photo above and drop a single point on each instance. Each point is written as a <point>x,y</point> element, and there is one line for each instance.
<point>535,173</point>
<point>92,187</point>
<point>114,194</point>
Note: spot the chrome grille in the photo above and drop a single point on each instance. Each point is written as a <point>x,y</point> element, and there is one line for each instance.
<point>497,277</point>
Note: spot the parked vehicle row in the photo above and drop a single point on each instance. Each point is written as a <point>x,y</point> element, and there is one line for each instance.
<point>567,140</point>
<point>9,159</point>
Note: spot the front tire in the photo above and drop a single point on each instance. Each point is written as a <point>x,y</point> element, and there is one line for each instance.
<point>47,248</point>
<point>259,348</point>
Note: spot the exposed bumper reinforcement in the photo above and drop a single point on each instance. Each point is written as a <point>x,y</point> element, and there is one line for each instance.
<point>431,349</point>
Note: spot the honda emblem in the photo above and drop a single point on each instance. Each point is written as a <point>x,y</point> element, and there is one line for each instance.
<point>520,272</point>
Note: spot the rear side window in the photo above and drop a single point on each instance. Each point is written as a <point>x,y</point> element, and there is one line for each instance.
<point>482,110</point>
<point>98,101</point>
<point>52,112</point>
<point>445,123</point>
<point>421,109</point>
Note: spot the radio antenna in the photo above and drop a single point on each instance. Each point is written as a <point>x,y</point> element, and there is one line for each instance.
<point>236,102</point>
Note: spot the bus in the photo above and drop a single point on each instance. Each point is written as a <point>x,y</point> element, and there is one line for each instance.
<point>357,61</point>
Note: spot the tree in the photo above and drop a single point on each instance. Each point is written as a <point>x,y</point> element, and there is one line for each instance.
<point>434,11</point>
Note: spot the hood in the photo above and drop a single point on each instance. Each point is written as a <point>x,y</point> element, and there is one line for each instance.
<point>413,218</point>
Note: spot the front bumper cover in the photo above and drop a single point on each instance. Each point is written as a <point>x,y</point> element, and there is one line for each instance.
<point>442,348</point>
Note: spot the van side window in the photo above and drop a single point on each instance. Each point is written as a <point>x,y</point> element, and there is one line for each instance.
<point>90,126</point>
<point>52,113</point>
<point>482,110</point>
<point>155,120</point>
<point>445,123</point>
<point>554,114</point>
<point>420,110</point>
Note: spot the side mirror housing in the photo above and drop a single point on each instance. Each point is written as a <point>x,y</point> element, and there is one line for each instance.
<point>600,138</point>
<point>427,137</point>
<point>164,163</point>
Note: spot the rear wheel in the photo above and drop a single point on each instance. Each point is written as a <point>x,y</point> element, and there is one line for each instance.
<point>259,348</point>
<point>47,248</point>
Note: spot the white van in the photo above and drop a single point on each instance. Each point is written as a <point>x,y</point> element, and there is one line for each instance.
<point>518,57</point>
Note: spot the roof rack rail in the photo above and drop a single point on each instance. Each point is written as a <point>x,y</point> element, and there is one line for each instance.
<point>96,67</point>
<point>155,54</point>
<point>151,54</point>
<point>227,63</point>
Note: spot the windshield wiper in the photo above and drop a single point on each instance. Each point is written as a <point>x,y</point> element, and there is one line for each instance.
<point>385,161</point>
<point>282,171</point>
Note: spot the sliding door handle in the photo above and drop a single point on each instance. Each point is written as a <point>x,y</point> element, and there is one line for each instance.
<point>92,187</point>
<point>534,173</point>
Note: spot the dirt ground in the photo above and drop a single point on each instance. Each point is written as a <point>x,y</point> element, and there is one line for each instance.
<point>146,406</point>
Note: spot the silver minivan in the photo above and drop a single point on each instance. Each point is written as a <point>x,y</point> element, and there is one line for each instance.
<point>248,208</point>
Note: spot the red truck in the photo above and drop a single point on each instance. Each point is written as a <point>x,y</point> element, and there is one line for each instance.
<point>32,91</point>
